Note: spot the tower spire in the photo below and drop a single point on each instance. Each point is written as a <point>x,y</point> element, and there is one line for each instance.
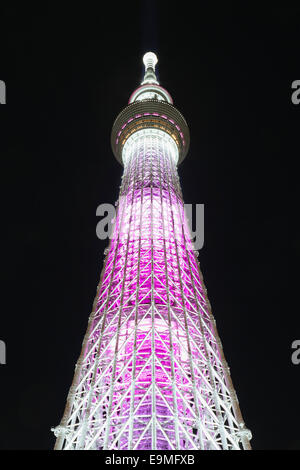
<point>150,60</point>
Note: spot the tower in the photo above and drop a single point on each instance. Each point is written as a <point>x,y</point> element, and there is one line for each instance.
<point>151,373</point>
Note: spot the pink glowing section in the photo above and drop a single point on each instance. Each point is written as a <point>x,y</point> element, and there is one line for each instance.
<point>149,304</point>
<point>153,239</point>
<point>151,373</point>
<point>139,338</point>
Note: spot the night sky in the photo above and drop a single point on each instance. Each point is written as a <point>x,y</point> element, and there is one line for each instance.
<point>68,72</point>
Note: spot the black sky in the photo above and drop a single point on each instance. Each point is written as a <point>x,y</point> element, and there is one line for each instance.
<point>68,72</point>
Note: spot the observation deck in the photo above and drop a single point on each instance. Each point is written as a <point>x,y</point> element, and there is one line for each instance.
<point>150,106</point>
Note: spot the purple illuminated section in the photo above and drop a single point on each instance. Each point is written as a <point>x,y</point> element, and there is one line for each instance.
<point>149,305</point>
<point>151,374</point>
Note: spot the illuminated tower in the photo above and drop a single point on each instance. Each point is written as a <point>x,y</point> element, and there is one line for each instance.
<point>151,373</point>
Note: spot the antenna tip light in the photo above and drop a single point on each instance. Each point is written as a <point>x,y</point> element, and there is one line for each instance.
<point>150,60</point>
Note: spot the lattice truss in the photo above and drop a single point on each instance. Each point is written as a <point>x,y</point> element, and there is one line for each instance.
<point>151,374</point>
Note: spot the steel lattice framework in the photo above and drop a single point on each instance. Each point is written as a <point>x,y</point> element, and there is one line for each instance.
<point>152,373</point>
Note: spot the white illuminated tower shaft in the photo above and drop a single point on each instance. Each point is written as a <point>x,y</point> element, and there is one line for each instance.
<point>151,374</point>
